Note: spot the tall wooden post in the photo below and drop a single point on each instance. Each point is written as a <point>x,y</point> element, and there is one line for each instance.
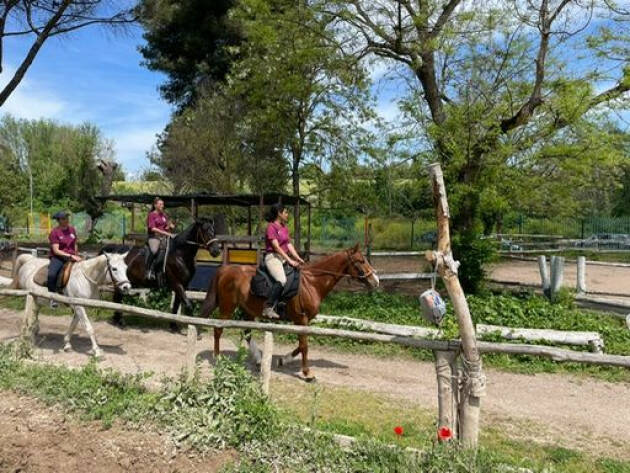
<point>29,322</point>
<point>265,363</point>
<point>474,381</point>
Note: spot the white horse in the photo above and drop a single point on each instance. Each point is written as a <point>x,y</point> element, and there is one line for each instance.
<point>84,281</point>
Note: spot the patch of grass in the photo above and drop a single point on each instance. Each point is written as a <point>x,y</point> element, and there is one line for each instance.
<point>368,415</point>
<point>228,411</point>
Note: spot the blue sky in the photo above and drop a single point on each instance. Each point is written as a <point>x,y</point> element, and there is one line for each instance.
<point>92,75</point>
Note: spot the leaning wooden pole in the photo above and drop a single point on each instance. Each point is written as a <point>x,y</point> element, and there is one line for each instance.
<point>474,381</point>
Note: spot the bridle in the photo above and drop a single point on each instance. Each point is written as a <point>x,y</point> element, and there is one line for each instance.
<point>361,275</point>
<point>200,235</point>
<point>116,284</point>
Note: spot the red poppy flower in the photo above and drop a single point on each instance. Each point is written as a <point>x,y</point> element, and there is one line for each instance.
<point>398,430</point>
<point>445,434</point>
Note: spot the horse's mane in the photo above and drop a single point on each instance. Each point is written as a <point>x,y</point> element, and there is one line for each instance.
<point>325,261</point>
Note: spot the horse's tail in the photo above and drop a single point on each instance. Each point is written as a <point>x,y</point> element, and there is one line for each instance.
<point>20,260</point>
<point>212,297</point>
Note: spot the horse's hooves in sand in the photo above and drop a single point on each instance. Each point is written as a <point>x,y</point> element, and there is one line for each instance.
<point>118,322</point>
<point>67,348</point>
<point>176,329</point>
<point>96,354</point>
<point>310,378</point>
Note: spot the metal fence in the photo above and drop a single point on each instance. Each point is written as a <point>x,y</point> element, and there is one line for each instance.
<point>567,227</point>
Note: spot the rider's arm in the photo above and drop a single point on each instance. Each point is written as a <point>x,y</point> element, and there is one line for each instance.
<point>57,252</point>
<point>294,253</point>
<point>161,232</point>
<point>280,251</point>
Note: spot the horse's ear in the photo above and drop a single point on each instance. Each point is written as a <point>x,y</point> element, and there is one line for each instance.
<point>355,248</point>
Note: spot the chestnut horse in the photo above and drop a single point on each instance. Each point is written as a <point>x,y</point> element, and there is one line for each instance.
<point>230,289</point>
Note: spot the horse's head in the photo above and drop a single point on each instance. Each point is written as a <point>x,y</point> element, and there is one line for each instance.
<point>117,271</point>
<point>359,267</point>
<point>206,235</point>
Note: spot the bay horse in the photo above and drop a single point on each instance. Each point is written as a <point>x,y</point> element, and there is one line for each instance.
<point>230,289</point>
<point>85,278</point>
<point>180,262</point>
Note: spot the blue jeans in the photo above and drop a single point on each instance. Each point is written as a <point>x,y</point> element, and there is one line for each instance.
<point>54,267</point>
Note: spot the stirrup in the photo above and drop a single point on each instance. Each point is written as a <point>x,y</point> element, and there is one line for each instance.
<point>270,313</point>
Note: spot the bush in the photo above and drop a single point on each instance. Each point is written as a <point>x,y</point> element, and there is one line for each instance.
<point>473,253</point>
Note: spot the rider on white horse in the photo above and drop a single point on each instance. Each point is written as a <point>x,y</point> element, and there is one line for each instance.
<point>63,248</point>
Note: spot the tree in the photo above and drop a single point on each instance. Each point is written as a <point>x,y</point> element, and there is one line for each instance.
<point>210,146</point>
<point>190,41</point>
<point>62,159</point>
<point>43,19</point>
<point>296,82</point>
<point>491,84</point>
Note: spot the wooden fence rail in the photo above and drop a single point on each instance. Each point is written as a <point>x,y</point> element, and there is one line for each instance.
<point>556,354</point>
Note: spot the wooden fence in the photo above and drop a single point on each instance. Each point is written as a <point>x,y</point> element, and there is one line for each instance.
<point>417,341</point>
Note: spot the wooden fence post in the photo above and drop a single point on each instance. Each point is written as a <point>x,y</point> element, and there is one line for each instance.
<point>557,275</point>
<point>544,274</point>
<point>448,390</point>
<point>474,381</point>
<point>191,351</point>
<point>29,322</point>
<point>265,364</point>
<point>581,275</point>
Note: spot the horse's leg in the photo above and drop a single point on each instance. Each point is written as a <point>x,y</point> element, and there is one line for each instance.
<point>217,339</point>
<point>306,371</point>
<point>180,297</point>
<point>289,357</point>
<point>117,318</point>
<point>254,351</point>
<point>73,324</point>
<point>96,350</point>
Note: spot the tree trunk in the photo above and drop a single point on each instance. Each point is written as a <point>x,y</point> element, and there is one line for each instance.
<point>295,174</point>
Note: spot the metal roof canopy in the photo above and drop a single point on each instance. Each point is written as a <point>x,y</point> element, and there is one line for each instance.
<point>185,200</point>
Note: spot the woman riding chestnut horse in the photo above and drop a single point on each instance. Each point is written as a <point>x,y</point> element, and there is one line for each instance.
<point>230,289</point>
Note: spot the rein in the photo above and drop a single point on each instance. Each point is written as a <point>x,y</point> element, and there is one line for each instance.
<point>361,274</point>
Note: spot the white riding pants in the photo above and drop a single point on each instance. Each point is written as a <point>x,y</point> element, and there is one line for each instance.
<point>275,266</point>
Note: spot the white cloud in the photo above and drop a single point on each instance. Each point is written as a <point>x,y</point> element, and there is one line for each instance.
<point>31,100</point>
<point>131,145</point>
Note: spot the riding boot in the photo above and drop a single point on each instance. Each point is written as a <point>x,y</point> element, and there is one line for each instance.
<point>149,259</point>
<point>272,301</point>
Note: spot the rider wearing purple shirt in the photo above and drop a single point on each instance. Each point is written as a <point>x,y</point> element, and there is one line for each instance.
<point>158,226</point>
<point>63,247</point>
<point>278,251</point>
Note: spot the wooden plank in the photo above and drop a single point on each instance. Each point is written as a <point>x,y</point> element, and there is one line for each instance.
<point>379,327</point>
<point>405,276</point>
<point>592,339</point>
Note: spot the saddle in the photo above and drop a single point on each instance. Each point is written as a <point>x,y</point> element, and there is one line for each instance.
<point>262,282</point>
<point>41,277</point>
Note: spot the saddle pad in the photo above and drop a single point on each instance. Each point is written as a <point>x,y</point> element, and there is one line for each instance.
<point>262,283</point>
<point>41,276</point>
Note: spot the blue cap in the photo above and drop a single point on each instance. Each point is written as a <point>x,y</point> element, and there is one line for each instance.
<point>59,215</point>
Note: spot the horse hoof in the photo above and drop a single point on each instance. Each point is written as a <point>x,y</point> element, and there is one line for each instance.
<point>310,378</point>
<point>96,354</point>
<point>174,328</point>
<point>67,348</point>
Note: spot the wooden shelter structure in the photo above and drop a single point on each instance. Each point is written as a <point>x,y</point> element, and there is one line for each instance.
<point>236,249</point>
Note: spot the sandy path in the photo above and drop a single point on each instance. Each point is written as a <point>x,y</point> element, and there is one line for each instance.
<point>575,412</point>
<point>608,279</point>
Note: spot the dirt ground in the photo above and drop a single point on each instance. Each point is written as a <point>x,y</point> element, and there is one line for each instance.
<point>36,438</point>
<point>586,414</point>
